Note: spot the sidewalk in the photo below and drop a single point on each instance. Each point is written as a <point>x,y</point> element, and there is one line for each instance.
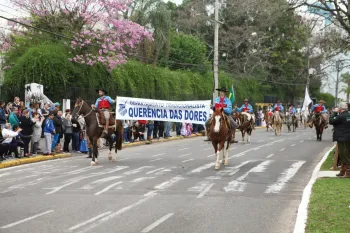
<point>325,206</point>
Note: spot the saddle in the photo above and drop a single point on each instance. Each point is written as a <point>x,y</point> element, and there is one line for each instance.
<point>102,120</point>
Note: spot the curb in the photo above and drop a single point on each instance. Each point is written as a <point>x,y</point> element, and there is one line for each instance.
<point>39,158</point>
<point>161,140</point>
<point>300,223</point>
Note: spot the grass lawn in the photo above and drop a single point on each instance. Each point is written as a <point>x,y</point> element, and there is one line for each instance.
<point>329,207</point>
<point>328,163</point>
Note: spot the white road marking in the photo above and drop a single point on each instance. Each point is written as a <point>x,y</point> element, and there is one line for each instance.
<point>292,145</point>
<point>184,149</point>
<point>100,181</point>
<point>210,155</point>
<point>269,156</point>
<point>261,141</point>
<point>200,186</point>
<point>309,138</point>
<point>156,223</point>
<point>137,170</point>
<point>27,219</point>
<point>233,148</point>
<point>81,170</point>
<point>5,174</point>
<point>117,213</point>
<point>301,141</point>
<point>89,221</point>
<point>141,179</point>
<point>153,171</point>
<point>163,171</point>
<point>208,148</point>
<point>239,185</point>
<point>258,147</point>
<point>184,155</point>
<point>282,149</point>
<point>153,160</point>
<point>202,168</point>
<point>158,155</point>
<point>160,149</point>
<point>124,159</point>
<point>187,160</point>
<point>108,188</point>
<point>284,178</point>
<point>205,191</point>
<point>21,186</point>
<point>77,179</point>
<point>213,178</point>
<point>169,183</point>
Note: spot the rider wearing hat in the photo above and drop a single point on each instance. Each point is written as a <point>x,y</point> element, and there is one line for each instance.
<point>226,102</point>
<point>319,108</point>
<point>246,107</point>
<point>103,103</point>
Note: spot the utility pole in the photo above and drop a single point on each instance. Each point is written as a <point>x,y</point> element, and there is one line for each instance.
<point>216,51</point>
<point>337,83</point>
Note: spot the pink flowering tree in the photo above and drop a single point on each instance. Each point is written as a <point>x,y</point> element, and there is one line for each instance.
<point>97,30</point>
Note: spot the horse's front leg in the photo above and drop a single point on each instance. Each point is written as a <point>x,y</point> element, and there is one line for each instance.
<point>94,160</point>
<point>220,147</point>
<point>243,135</point>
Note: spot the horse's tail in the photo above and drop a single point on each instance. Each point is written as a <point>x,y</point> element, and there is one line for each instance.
<point>119,134</point>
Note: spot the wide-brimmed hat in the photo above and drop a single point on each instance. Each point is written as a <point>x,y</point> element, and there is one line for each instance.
<point>321,101</point>
<point>223,89</point>
<point>101,89</point>
<point>245,100</point>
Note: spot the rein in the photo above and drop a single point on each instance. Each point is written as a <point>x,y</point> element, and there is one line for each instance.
<point>82,103</point>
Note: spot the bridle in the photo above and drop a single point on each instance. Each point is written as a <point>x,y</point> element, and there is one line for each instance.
<point>81,105</point>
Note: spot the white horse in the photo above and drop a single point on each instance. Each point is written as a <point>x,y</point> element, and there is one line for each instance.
<point>277,123</point>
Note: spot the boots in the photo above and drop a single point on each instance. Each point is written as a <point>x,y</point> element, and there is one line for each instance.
<point>342,170</point>
<point>347,171</point>
<point>149,138</point>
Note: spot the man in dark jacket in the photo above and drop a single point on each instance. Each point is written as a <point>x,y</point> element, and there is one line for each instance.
<point>340,119</point>
<point>2,114</point>
<point>57,122</point>
<point>26,125</point>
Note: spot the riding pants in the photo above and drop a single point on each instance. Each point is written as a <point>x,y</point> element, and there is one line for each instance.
<point>106,114</point>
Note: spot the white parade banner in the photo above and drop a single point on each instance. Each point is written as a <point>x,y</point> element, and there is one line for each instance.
<point>196,112</point>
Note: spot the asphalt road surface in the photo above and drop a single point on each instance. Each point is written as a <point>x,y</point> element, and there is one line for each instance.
<point>166,187</point>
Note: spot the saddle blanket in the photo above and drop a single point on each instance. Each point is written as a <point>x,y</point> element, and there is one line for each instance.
<point>249,116</point>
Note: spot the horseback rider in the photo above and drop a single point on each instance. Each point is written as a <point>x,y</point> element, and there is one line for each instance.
<point>103,103</point>
<point>278,107</point>
<point>298,109</point>
<point>226,102</point>
<point>292,110</point>
<point>247,108</point>
<point>319,108</point>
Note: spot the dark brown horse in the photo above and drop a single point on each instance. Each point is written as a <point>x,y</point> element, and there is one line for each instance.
<point>94,130</point>
<point>319,123</point>
<point>245,125</point>
<point>219,134</point>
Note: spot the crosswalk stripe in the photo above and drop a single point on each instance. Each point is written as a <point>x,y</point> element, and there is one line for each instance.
<point>285,177</point>
<point>108,188</point>
<point>89,221</point>
<point>239,185</point>
<point>153,171</point>
<point>157,223</point>
<point>100,181</point>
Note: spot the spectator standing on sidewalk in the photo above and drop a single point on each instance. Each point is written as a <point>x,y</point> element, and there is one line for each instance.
<point>26,124</point>
<point>13,118</point>
<point>126,130</point>
<point>37,130</point>
<point>75,135</point>
<point>67,130</point>
<point>156,130</point>
<point>57,122</point>
<point>340,119</point>
<point>49,130</point>
<point>2,114</point>
<point>150,127</point>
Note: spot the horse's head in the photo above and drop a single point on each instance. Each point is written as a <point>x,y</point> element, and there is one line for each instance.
<point>80,107</point>
<point>218,116</point>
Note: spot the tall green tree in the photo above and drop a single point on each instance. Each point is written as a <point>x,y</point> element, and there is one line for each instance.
<point>345,78</point>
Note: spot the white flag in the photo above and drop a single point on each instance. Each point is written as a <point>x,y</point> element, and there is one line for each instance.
<point>307,101</point>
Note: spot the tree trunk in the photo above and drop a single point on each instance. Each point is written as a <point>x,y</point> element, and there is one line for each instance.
<point>156,54</point>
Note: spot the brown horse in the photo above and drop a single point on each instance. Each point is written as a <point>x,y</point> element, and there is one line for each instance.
<point>277,122</point>
<point>94,130</point>
<point>245,125</point>
<point>219,134</point>
<point>319,123</point>
<point>267,119</point>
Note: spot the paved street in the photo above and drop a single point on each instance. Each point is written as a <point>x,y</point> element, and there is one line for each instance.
<point>166,187</point>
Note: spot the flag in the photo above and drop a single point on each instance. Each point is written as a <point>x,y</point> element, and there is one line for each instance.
<point>232,95</point>
<point>307,102</point>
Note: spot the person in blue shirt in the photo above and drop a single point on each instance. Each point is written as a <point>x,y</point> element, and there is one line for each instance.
<point>292,110</point>
<point>103,103</point>
<point>49,131</point>
<point>222,99</point>
<point>246,107</point>
<point>319,108</point>
<point>278,106</point>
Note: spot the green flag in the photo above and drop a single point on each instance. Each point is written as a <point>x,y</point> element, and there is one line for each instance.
<point>232,95</point>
